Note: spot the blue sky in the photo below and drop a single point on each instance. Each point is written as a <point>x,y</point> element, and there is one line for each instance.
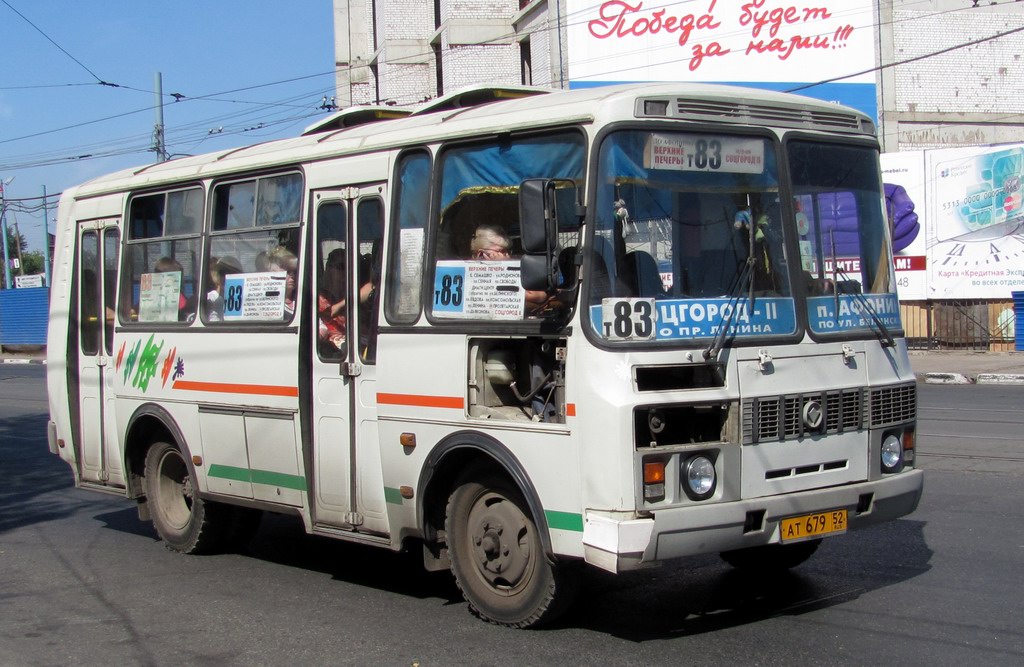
<point>225,49</point>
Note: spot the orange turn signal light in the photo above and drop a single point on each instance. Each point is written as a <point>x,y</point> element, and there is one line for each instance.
<point>654,472</point>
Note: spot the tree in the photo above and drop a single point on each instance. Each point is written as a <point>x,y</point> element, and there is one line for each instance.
<point>32,262</point>
<point>14,243</point>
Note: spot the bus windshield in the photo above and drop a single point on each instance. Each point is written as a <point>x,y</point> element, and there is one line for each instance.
<point>692,238</point>
<point>845,253</point>
<point>689,237</point>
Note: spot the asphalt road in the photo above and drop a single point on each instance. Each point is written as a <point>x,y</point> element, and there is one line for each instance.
<point>83,581</point>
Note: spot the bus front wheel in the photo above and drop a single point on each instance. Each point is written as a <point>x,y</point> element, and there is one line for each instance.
<point>184,521</point>
<point>497,556</point>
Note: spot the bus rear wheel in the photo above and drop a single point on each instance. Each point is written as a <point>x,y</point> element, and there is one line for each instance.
<point>183,520</point>
<point>498,558</point>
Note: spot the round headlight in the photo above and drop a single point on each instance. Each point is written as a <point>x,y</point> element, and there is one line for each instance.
<point>699,473</point>
<point>892,453</point>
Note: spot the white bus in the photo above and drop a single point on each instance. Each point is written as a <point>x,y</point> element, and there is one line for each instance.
<point>520,330</point>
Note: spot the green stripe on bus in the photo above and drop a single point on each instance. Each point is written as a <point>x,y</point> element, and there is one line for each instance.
<point>564,520</point>
<point>265,477</point>
<point>393,496</point>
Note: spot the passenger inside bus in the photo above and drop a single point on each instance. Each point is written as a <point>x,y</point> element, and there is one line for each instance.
<point>283,259</point>
<point>261,262</point>
<point>491,243</point>
<point>220,269</point>
<point>332,300</point>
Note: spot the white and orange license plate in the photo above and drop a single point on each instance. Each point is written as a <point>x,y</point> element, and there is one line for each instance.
<point>807,526</point>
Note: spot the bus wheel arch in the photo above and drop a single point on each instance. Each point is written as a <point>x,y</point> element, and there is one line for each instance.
<point>495,533</point>
<point>163,479</point>
<point>449,460</point>
<point>150,423</point>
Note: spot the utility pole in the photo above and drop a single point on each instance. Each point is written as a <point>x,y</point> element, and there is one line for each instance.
<point>158,129</point>
<point>3,232</point>
<point>46,239</point>
<point>17,245</point>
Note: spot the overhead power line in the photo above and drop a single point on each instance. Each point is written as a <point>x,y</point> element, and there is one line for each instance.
<point>62,49</point>
<point>197,132</point>
<point>909,60</point>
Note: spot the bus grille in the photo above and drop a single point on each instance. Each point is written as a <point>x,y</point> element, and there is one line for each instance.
<point>778,418</point>
<point>893,405</point>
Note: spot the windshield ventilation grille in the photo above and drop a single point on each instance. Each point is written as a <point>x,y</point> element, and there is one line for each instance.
<point>778,418</point>
<point>893,405</point>
<point>763,114</point>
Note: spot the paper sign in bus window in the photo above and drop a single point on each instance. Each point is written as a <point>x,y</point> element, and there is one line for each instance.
<point>484,290</point>
<point>159,296</point>
<point>254,296</point>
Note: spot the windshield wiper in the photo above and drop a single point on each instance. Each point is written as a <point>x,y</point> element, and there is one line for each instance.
<point>882,332</point>
<point>744,280</point>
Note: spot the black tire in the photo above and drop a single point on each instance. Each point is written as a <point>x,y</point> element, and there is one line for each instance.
<point>498,558</point>
<point>184,521</point>
<point>771,557</point>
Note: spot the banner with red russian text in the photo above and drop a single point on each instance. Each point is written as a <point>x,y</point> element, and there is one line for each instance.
<point>772,44</point>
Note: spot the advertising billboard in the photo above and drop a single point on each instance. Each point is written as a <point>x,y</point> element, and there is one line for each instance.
<point>903,175</point>
<point>975,231</point>
<point>771,44</point>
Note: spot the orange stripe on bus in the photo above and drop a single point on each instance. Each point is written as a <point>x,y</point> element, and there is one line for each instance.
<point>231,388</point>
<point>421,401</point>
<point>570,409</point>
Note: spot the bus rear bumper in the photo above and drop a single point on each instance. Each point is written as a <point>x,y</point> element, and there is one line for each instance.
<point>616,545</point>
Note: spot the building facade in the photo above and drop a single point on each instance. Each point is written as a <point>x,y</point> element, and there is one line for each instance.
<point>964,97</point>
<point>929,94</point>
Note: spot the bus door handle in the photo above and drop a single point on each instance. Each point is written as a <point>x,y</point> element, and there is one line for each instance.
<point>351,369</point>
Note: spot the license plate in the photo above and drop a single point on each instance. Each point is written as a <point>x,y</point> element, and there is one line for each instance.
<point>820,524</point>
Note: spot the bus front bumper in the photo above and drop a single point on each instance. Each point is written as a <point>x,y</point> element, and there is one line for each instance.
<point>615,542</point>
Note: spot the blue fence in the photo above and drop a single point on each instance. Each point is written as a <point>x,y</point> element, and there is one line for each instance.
<point>24,314</point>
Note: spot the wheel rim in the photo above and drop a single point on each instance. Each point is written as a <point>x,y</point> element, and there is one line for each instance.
<point>174,490</point>
<point>502,543</point>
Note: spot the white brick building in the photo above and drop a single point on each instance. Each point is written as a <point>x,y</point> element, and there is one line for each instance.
<point>968,96</point>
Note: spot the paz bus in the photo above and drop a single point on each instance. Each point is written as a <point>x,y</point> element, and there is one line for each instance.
<point>522,331</point>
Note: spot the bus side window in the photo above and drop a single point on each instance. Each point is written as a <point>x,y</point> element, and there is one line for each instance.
<point>409,221</point>
<point>331,280</point>
<point>159,276</point>
<point>254,241</point>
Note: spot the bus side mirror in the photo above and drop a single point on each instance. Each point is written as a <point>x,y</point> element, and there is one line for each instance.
<point>536,218</point>
<point>540,201</point>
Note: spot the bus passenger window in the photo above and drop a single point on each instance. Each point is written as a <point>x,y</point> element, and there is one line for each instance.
<point>409,221</point>
<point>160,281</point>
<point>253,264</point>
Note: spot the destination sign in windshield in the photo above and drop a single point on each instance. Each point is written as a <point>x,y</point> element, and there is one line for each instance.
<point>687,152</point>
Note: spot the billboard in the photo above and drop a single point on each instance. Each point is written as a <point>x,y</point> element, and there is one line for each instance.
<point>903,175</point>
<point>771,44</point>
<point>975,235</point>
<point>968,203</point>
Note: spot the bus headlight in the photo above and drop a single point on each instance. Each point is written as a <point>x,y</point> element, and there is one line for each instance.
<point>892,453</point>
<point>699,477</point>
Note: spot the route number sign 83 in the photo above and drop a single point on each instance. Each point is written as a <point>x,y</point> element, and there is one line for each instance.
<point>628,319</point>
